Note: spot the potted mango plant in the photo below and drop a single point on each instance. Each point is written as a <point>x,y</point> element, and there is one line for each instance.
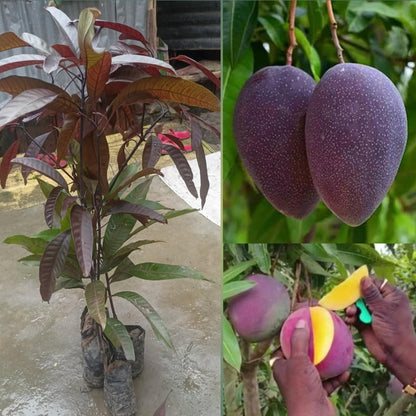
<point>93,218</point>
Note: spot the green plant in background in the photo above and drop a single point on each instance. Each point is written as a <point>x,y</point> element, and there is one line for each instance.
<point>309,271</point>
<point>379,34</point>
<point>95,210</point>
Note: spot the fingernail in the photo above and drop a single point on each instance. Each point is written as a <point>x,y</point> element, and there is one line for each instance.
<point>366,283</point>
<point>272,361</point>
<point>301,324</point>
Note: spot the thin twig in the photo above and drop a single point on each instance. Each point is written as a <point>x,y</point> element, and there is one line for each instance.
<point>296,285</point>
<point>334,27</point>
<point>292,36</point>
<point>308,286</point>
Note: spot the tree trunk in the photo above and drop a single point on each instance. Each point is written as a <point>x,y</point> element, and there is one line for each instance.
<point>250,389</point>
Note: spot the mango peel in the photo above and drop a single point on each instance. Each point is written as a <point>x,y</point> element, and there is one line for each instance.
<point>346,293</point>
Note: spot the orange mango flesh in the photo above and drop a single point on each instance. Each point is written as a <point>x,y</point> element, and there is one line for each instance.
<point>346,293</point>
<point>323,332</point>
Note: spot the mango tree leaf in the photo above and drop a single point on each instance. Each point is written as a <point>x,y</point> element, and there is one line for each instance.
<point>311,53</point>
<point>166,88</point>
<point>65,282</point>
<point>231,289</point>
<point>116,233</point>
<point>158,271</point>
<point>151,152</point>
<point>9,40</point>
<point>31,260</point>
<point>66,135</point>
<point>37,43</point>
<point>143,60</point>
<point>161,410</point>
<point>133,178</point>
<point>66,27</point>
<point>150,314</point>
<point>236,34</point>
<point>52,263</point>
<point>25,102</point>
<point>230,347</point>
<point>19,61</point>
<point>97,76</point>
<point>125,207</point>
<point>32,244</point>
<point>117,333</point>
<point>6,162</point>
<point>261,255</point>
<point>50,205</point>
<point>83,235</point>
<point>34,148</point>
<point>313,266</point>
<point>43,168</point>
<point>201,67</point>
<point>234,271</point>
<point>15,85</point>
<point>85,36</point>
<point>95,297</point>
<point>183,167</point>
<point>196,140</point>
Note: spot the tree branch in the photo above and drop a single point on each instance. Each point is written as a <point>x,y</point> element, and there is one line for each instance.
<point>292,36</point>
<point>334,27</point>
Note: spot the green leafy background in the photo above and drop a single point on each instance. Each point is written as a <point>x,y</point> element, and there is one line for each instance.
<point>379,34</point>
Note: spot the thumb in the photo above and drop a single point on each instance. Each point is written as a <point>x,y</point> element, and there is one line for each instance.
<point>299,343</point>
<point>371,293</point>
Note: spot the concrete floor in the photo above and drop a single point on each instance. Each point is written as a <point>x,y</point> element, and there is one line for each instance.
<point>40,363</point>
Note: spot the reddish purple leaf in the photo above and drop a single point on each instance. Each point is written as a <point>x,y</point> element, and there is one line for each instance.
<point>97,76</point>
<point>196,140</point>
<point>34,148</point>
<point>163,137</point>
<point>120,48</point>
<point>124,207</point>
<point>83,235</point>
<point>201,67</point>
<point>161,411</point>
<point>52,263</point>
<point>66,27</point>
<point>121,155</point>
<point>64,50</point>
<point>207,125</point>
<point>43,168</point>
<point>183,167</point>
<point>18,61</point>
<point>26,102</point>
<point>66,135</point>
<point>9,40</point>
<point>67,204</point>
<point>151,152</point>
<point>50,205</point>
<point>127,32</point>
<point>6,163</point>
<point>142,60</point>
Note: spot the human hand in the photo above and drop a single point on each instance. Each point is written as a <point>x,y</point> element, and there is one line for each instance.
<point>391,337</point>
<point>303,391</point>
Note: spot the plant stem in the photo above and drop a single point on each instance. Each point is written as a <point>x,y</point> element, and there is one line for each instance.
<point>81,139</point>
<point>334,27</point>
<point>292,36</point>
<point>308,287</point>
<point>400,405</point>
<point>110,296</point>
<point>250,389</point>
<point>296,285</point>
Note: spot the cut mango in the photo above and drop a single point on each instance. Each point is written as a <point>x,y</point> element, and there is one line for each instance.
<point>346,293</point>
<point>323,332</point>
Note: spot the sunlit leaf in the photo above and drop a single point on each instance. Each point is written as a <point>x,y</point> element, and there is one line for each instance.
<point>6,162</point>
<point>167,89</point>
<point>85,36</point>
<point>97,76</point>
<point>25,102</point>
<point>43,168</point>
<point>83,235</point>
<point>150,314</point>
<point>66,27</point>
<point>230,348</point>
<point>52,263</point>
<point>142,60</point>
<point>95,296</point>
<point>183,167</point>
<point>234,271</point>
<point>37,43</point>
<point>117,333</point>
<point>9,40</point>
<point>235,288</point>
<point>19,61</point>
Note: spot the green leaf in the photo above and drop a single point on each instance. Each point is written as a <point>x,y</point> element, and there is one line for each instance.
<point>230,347</point>
<point>317,252</point>
<point>32,244</point>
<point>158,271</point>
<point>32,260</point>
<point>260,253</point>
<point>275,30</point>
<point>231,289</point>
<point>316,18</point>
<point>235,271</point>
<point>116,234</point>
<point>313,266</point>
<point>117,333</point>
<point>311,53</point>
<point>150,314</point>
<point>95,297</point>
<point>239,22</point>
<point>234,79</point>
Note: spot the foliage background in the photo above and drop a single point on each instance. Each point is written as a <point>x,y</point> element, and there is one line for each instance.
<point>375,33</point>
<point>324,266</point>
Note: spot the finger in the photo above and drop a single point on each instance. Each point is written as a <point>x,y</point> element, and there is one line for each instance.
<point>371,292</point>
<point>351,315</point>
<point>299,343</point>
<point>276,355</point>
<point>332,384</point>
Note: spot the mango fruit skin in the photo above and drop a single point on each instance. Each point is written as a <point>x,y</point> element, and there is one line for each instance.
<point>356,132</point>
<point>340,354</point>
<point>258,314</point>
<point>269,121</point>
